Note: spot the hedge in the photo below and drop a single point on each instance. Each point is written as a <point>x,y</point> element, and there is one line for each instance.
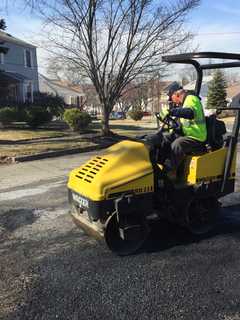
<point>76,119</point>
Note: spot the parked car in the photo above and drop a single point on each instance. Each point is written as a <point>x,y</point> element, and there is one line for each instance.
<point>117,115</point>
<point>147,113</point>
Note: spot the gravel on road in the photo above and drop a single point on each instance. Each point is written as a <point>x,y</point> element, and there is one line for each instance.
<point>49,269</point>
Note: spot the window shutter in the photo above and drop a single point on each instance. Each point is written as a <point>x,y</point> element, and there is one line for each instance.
<point>32,98</point>
<point>25,57</point>
<point>24,92</point>
<point>31,59</point>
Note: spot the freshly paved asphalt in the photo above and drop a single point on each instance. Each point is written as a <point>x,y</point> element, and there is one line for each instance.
<point>49,269</point>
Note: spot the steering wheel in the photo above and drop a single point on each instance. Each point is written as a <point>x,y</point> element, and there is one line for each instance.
<point>167,121</point>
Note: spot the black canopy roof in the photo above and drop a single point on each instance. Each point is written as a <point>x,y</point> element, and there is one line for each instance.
<point>201,55</point>
<point>192,58</point>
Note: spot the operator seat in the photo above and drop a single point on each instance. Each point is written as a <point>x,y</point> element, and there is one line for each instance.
<point>215,131</point>
<point>198,150</point>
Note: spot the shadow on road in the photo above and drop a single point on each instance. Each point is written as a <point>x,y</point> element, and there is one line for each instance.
<point>165,235</point>
<point>14,219</point>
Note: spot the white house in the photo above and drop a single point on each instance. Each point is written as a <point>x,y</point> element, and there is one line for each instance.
<point>72,95</point>
<point>18,69</point>
<point>233,94</point>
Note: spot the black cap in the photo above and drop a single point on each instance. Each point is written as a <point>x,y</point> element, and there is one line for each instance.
<point>174,86</point>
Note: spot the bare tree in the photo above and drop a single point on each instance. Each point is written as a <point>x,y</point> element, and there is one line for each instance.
<point>91,98</point>
<point>54,69</point>
<point>59,68</point>
<point>142,93</point>
<point>188,73</point>
<point>135,95</point>
<point>128,97</point>
<point>112,42</point>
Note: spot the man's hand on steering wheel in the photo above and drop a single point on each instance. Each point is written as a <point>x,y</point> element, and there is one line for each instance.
<point>168,121</point>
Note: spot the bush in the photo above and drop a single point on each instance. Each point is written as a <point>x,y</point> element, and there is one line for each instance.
<point>76,119</point>
<point>36,116</point>
<point>21,114</point>
<point>136,114</point>
<point>7,115</point>
<point>53,104</point>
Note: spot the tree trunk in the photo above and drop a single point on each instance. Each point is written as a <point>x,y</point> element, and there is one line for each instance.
<point>105,122</point>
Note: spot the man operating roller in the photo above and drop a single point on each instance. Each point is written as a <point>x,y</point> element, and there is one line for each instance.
<point>190,136</point>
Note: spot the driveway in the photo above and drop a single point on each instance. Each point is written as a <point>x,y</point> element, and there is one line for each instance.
<point>49,269</point>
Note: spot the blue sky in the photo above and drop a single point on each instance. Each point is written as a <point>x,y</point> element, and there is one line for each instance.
<point>216,24</point>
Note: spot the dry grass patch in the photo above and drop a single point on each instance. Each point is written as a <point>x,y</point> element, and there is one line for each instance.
<point>30,149</point>
<point>16,135</point>
<point>69,140</point>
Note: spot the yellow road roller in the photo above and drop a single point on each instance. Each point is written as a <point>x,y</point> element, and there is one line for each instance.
<point>118,195</point>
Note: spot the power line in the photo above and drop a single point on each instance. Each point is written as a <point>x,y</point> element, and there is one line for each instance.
<point>216,33</point>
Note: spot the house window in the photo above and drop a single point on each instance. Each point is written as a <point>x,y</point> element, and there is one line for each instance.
<point>1,58</point>
<point>28,58</point>
<point>73,101</point>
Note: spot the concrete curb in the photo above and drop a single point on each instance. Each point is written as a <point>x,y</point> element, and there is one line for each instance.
<point>52,154</point>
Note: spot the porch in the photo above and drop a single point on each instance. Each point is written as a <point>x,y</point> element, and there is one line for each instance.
<point>15,88</point>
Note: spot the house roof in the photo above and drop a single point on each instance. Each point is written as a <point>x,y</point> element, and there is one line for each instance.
<point>67,85</point>
<point>57,84</point>
<point>6,37</point>
<point>157,87</point>
<point>233,90</point>
<point>205,81</point>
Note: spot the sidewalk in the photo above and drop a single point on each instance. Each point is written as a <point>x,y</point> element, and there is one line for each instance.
<point>25,173</point>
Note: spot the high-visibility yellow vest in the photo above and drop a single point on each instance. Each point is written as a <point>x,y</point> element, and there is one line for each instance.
<point>195,128</point>
<point>164,111</point>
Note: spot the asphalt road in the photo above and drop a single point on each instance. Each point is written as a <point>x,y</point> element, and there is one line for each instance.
<point>49,269</point>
